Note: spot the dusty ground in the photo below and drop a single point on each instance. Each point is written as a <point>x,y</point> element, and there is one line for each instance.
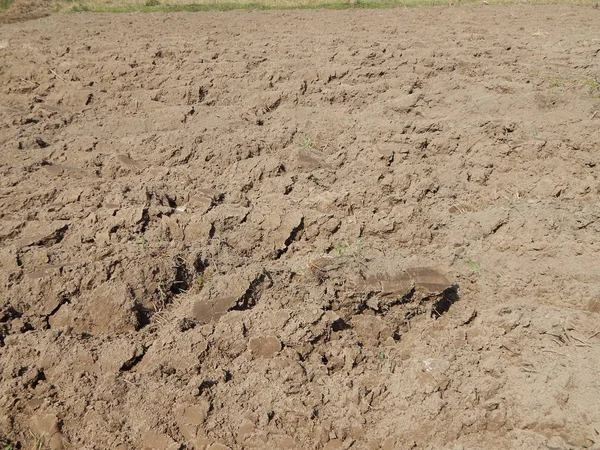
<point>357,229</point>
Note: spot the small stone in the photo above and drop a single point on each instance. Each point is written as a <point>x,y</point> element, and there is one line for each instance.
<point>265,346</point>
<point>207,310</point>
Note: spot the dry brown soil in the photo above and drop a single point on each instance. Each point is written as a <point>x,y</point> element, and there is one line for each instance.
<point>301,230</point>
<point>23,10</point>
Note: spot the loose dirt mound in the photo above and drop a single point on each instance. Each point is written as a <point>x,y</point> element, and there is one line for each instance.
<point>358,229</point>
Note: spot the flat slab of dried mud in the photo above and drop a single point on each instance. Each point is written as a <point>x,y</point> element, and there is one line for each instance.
<point>300,230</point>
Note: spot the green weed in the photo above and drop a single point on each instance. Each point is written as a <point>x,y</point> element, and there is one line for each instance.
<point>5,4</point>
<point>202,279</point>
<point>307,143</point>
<point>344,248</point>
<point>142,244</point>
<point>474,267</point>
<point>7,445</point>
<point>593,83</point>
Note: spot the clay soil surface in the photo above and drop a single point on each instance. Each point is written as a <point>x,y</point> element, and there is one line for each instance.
<point>301,230</point>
